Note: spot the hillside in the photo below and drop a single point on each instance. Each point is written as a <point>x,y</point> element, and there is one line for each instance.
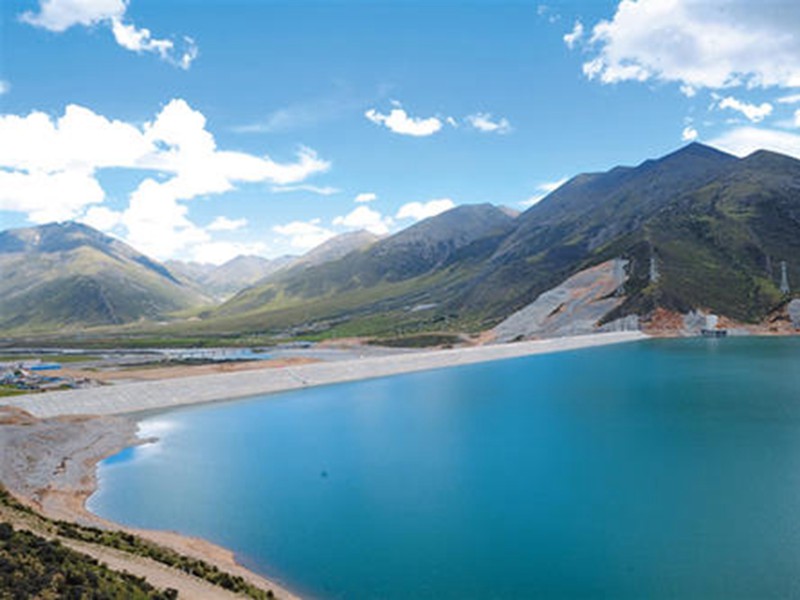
<point>392,281</point>
<point>712,229</point>
<point>68,275</point>
<point>336,248</point>
<point>698,230</point>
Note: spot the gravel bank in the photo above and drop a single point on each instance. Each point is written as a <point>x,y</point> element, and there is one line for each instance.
<point>151,395</point>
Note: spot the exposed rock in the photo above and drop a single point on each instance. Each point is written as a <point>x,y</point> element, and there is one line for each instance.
<point>575,307</point>
<point>794,312</point>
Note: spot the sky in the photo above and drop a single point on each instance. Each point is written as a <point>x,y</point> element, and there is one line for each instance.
<point>200,130</point>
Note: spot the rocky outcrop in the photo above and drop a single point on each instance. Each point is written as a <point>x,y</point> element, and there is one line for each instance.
<point>573,308</point>
<point>794,312</point>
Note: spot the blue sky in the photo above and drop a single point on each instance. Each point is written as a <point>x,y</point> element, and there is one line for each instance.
<point>200,130</point>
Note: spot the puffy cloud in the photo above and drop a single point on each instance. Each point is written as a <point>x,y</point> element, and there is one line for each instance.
<point>60,15</point>
<point>422,210</point>
<point>745,140</point>
<point>699,43</point>
<point>33,193</point>
<point>542,190</point>
<point>486,123</point>
<point>365,197</point>
<point>5,87</point>
<point>574,36</point>
<point>753,112</point>
<point>363,217</point>
<point>399,121</point>
<point>223,223</point>
<point>304,235</point>
<point>48,171</point>
<point>790,99</point>
<point>101,217</point>
<point>689,134</point>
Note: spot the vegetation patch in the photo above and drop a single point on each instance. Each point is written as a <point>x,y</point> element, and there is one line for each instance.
<point>33,567</point>
<point>131,544</point>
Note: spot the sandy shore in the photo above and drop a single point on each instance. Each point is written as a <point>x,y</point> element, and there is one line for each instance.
<point>51,466</point>
<point>154,395</point>
<point>49,459</point>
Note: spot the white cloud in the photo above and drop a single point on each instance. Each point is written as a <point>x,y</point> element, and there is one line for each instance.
<point>755,113</point>
<point>699,43</point>
<point>5,87</point>
<point>485,122</point>
<point>101,217</point>
<point>797,118</point>
<point>689,134</point>
<point>790,99</point>
<point>399,121</point>
<point>60,15</point>
<point>304,235</point>
<point>745,140</point>
<point>34,192</point>
<point>422,210</point>
<point>542,190</point>
<point>365,197</point>
<point>574,36</point>
<point>363,217</point>
<point>322,190</point>
<point>223,223</point>
<point>48,171</point>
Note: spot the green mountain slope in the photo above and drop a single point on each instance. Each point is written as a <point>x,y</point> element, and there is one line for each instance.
<point>397,280</point>
<point>68,275</point>
<point>715,229</point>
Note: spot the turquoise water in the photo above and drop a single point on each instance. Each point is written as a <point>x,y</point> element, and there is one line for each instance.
<point>665,468</point>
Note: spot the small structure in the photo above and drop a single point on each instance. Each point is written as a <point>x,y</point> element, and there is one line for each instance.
<point>785,289</point>
<point>712,327</point>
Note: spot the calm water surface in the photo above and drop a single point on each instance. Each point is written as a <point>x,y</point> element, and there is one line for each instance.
<point>665,468</point>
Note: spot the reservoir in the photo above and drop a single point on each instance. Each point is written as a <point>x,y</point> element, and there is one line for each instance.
<point>659,469</point>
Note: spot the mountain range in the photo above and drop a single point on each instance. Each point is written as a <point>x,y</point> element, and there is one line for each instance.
<point>67,275</point>
<point>697,229</point>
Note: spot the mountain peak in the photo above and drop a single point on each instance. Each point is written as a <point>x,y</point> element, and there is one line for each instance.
<point>696,150</point>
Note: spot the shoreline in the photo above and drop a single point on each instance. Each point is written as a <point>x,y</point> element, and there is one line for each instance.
<point>140,396</point>
<point>50,465</point>
<point>52,443</point>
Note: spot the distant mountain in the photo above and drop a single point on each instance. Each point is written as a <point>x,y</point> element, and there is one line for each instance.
<point>239,273</point>
<point>698,229</point>
<point>70,275</point>
<point>337,247</point>
<point>225,280</point>
<point>189,272</point>
<point>426,264</point>
<point>714,228</point>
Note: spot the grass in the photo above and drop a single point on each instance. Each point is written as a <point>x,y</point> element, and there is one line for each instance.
<point>135,545</point>
<point>58,358</point>
<point>10,390</point>
<point>34,567</point>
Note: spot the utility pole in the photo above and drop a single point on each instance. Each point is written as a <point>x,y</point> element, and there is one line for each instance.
<point>619,277</point>
<point>654,273</point>
<point>784,279</point>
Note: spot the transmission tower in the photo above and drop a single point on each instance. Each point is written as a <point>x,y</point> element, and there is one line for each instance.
<point>619,277</point>
<point>784,279</point>
<point>654,273</point>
